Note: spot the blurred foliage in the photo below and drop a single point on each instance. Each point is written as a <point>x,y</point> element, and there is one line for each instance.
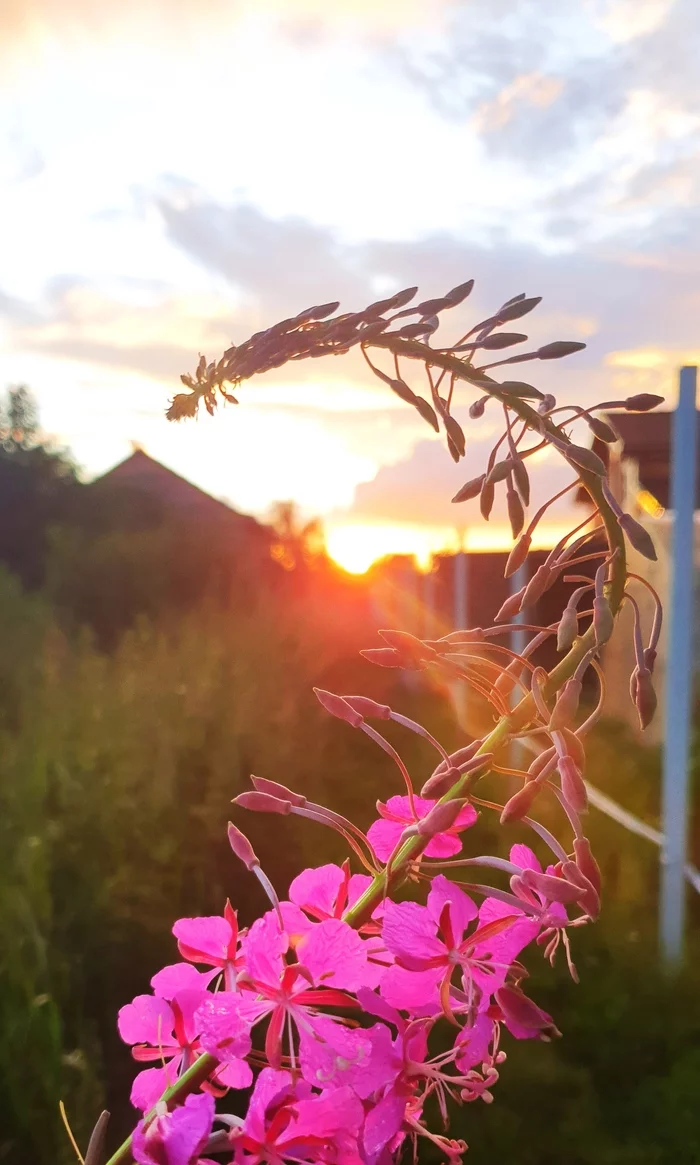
<point>136,695</point>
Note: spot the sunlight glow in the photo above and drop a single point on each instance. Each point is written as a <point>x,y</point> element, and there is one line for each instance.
<point>357,545</point>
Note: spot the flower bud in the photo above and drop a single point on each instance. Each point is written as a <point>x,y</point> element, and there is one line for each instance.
<point>547,404</point>
<point>440,818</point>
<point>603,620</point>
<point>537,585</point>
<point>440,781</point>
<point>638,537</point>
<point>263,803</point>
<point>512,606</point>
<point>584,458</point>
<point>523,1013</point>
<point>241,846</point>
<point>408,645</point>
<point>539,763</point>
<point>649,659</point>
<point>486,499</point>
<point>567,630</point>
<point>574,746</point>
<point>552,888</point>
<point>566,706</point>
<point>516,513</point>
<point>470,489</point>
<point>602,430</point>
<point>645,698</point>
<point>279,792</point>
<point>368,708</point>
<point>337,706</point>
<point>641,402</point>
<point>572,784</point>
<point>476,409</point>
<point>520,803</point>
<point>587,863</point>
<point>499,472</point>
<point>590,899</point>
<point>522,480</point>
<point>518,555</point>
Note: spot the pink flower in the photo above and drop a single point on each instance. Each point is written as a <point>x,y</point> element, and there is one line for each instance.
<point>396,815</point>
<point>288,1123</point>
<point>162,1031</point>
<point>333,960</point>
<point>333,1056</point>
<point>430,942</point>
<point>213,941</point>
<point>177,1137</point>
<point>322,893</point>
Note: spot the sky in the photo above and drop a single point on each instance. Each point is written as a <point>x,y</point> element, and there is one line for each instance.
<point>176,174</point>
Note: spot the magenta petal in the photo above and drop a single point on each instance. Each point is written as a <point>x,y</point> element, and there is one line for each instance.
<point>462,909</point>
<point>473,1044</point>
<point>409,933</point>
<point>146,1020</point>
<point>507,945</point>
<point>224,1031</point>
<point>523,856</point>
<point>203,940</point>
<point>412,991</point>
<point>176,1137</point>
<point>383,837</point>
<point>235,1074</point>
<point>271,1087</point>
<point>334,1055</point>
<point>264,948</point>
<point>149,1086</point>
<point>382,1123</point>
<point>316,890</point>
<point>295,921</point>
<point>337,1110</point>
<point>335,955</point>
<point>443,845</point>
<point>180,977</point>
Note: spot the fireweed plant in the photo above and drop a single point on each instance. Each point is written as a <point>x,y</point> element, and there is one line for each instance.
<point>324,1009</point>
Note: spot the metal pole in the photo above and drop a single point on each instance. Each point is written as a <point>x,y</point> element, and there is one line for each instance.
<point>679,671</point>
<point>518,638</point>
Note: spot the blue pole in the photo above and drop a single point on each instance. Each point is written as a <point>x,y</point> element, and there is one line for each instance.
<point>679,671</point>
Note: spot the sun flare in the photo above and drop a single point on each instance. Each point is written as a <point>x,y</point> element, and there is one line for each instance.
<point>355,546</point>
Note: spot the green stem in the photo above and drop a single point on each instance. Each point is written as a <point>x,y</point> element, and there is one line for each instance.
<point>190,1080</point>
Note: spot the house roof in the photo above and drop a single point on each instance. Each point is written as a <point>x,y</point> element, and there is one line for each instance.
<point>143,474</point>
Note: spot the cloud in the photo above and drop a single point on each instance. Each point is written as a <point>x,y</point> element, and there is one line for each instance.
<point>419,487</point>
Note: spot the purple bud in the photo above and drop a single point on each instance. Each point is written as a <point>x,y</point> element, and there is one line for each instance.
<point>387,657</point>
<point>603,620</point>
<point>590,899</point>
<point>638,537</point>
<point>539,763</point>
<point>476,409</point>
<point>408,645</point>
<point>587,863</point>
<point>566,706</point>
<point>572,784</point>
<point>537,585</point>
<point>552,888</point>
<point>511,607</point>
<point>279,792</point>
<point>263,803</point>
<point>518,555</point>
<point>520,803</point>
<point>443,779</point>
<point>649,659</point>
<point>366,707</point>
<point>440,818</point>
<point>337,706</point>
<point>241,846</point>
<point>641,402</point>
<point>523,1013</point>
<point>645,698</point>
<point>567,630</point>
